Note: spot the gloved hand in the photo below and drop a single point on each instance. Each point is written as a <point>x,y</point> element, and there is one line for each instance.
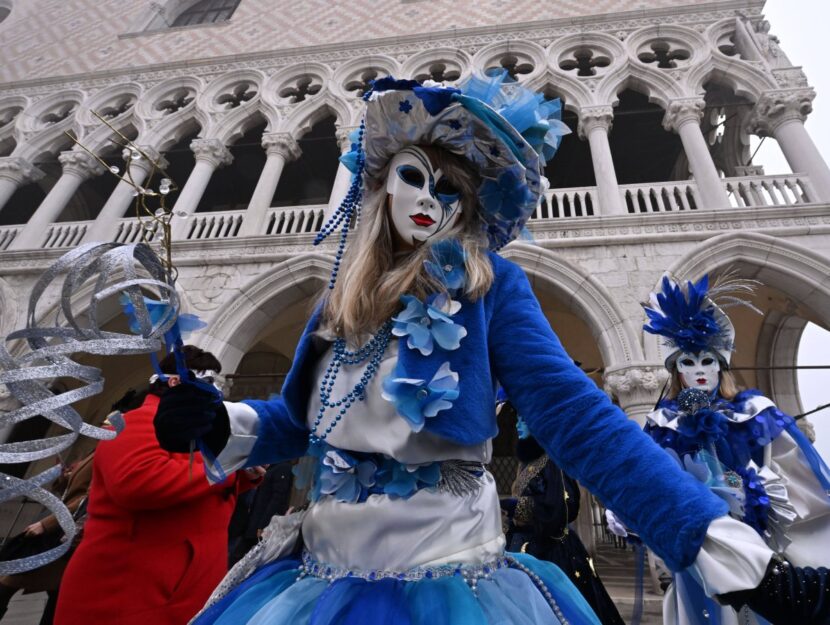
<point>788,594</point>
<point>187,413</point>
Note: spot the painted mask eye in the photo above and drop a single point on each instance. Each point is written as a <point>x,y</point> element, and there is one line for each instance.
<point>446,192</point>
<point>411,176</point>
<point>708,361</point>
<point>687,362</point>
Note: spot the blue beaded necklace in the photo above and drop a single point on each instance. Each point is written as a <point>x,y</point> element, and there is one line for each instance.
<point>372,352</point>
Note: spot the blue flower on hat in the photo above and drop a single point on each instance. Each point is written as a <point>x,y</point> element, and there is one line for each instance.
<point>425,324</point>
<point>417,400</point>
<point>405,106</point>
<point>447,264</point>
<point>345,477</point>
<point>507,196</point>
<point>404,480</point>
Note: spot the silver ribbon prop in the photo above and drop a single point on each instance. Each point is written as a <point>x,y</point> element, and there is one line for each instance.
<point>114,269</point>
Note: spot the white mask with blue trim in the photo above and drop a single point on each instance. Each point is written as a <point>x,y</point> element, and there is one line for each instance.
<point>423,202</point>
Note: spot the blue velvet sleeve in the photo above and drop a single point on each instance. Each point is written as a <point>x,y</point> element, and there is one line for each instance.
<point>588,436</point>
<point>279,438</point>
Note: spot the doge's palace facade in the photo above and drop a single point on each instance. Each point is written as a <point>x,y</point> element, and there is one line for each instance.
<point>662,97</point>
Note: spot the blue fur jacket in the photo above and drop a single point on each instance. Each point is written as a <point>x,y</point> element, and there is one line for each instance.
<point>509,340</point>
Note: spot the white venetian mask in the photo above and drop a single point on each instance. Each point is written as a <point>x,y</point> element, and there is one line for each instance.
<point>423,202</point>
<point>699,370</point>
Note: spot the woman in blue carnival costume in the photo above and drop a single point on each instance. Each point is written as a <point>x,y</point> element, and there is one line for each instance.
<point>392,388</point>
<point>736,442</point>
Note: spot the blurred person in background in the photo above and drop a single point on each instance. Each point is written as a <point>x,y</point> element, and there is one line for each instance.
<point>155,539</point>
<point>72,486</point>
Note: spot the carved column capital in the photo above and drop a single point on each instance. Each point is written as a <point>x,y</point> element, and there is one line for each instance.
<point>81,164</point>
<point>343,139</point>
<point>19,170</point>
<point>154,156</point>
<point>637,387</point>
<point>683,111</point>
<point>211,150</point>
<point>776,107</point>
<point>591,117</point>
<point>281,143</point>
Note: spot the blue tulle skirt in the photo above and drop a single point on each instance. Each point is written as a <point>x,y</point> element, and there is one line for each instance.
<point>528,592</point>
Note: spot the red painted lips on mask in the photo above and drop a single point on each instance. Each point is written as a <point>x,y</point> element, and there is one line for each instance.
<point>422,220</point>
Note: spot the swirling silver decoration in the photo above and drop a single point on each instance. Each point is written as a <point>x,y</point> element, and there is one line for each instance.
<point>114,269</point>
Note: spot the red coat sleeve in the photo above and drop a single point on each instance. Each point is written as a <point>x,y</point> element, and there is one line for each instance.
<point>139,475</point>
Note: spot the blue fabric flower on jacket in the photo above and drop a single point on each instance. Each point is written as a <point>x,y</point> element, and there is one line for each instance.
<point>704,427</point>
<point>447,264</point>
<point>428,324</point>
<point>404,480</point>
<point>345,477</point>
<point>417,400</point>
<point>506,196</point>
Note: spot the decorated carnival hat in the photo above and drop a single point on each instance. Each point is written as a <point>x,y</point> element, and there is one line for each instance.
<point>505,131</point>
<point>691,317</point>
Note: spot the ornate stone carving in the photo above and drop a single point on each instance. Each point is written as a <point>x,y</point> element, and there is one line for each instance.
<point>81,164</point>
<point>343,140</point>
<point>595,117</point>
<point>791,78</point>
<point>211,150</point>
<point>683,111</point>
<point>281,143</point>
<point>776,107</point>
<point>19,170</point>
<point>637,387</point>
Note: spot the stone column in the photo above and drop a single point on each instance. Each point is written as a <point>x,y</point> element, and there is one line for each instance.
<point>14,173</point>
<point>683,117</point>
<point>77,167</point>
<point>210,155</point>
<point>281,148</point>
<point>637,387</point>
<point>122,197</point>
<point>344,177</point>
<point>781,114</point>
<point>594,125</point>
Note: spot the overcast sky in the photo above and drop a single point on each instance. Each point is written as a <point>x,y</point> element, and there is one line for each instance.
<point>800,26</point>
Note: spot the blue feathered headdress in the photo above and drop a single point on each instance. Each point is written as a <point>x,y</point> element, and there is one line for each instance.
<point>689,319</point>
<point>506,132</point>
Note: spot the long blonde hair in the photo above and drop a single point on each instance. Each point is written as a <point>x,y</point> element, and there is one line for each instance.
<point>728,385</point>
<point>372,280</point>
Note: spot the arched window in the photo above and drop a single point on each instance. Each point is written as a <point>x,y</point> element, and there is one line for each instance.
<point>207,12</point>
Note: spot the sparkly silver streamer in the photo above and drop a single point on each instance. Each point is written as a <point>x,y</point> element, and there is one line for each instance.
<point>114,269</point>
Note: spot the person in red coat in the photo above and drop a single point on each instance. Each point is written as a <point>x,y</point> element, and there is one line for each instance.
<point>156,536</point>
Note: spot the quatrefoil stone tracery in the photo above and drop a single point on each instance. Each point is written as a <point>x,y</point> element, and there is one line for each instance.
<point>300,89</point>
<point>237,95</point>
<point>663,54</point>
<point>516,67</point>
<point>439,72</point>
<point>58,113</point>
<point>361,82</point>
<point>176,101</point>
<point>584,61</point>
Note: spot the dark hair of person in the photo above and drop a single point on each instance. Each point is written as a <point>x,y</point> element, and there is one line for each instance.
<point>195,358</point>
